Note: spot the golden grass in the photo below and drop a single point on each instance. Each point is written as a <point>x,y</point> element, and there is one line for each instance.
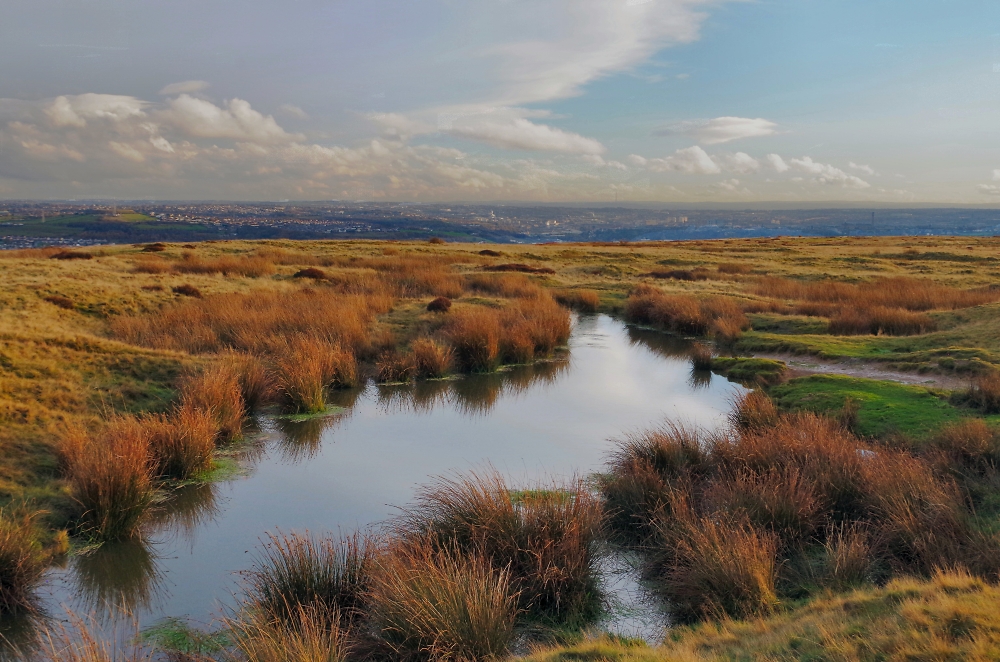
<point>111,478</point>
<point>22,560</point>
<point>433,604</point>
<point>183,441</point>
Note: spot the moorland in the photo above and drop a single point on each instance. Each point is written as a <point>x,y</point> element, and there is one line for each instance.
<point>837,517</point>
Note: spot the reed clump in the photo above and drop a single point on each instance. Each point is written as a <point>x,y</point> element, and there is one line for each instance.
<point>182,442</point>
<point>432,359</point>
<point>913,294</point>
<point>881,320</point>
<point>547,542</point>
<point>984,393</point>
<point>312,636</point>
<point>306,366</point>
<point>586,301</point>
<point>429,603</point>
<point>297,573</point>
<point>721,515</point>
<point>111,477</point>
<point>247,266</point>
<point>22,560</point>
<point>216,390</point>
<point>684,314</point>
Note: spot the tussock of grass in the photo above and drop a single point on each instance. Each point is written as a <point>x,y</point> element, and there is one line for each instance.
<point>442,604</point>
<point>111,478</point>
<point>321,575</point>
<point>547,543</point>
<point>22,561</point>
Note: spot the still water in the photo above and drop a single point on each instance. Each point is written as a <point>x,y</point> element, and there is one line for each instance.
<point>536,423</point>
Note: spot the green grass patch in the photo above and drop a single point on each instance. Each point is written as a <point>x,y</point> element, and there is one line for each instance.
<point>883,407</point>
<point>787,324</point>
<point>177,638</point>
<point>749,371</point>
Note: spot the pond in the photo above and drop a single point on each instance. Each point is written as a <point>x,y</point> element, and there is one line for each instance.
<point>549,421</point>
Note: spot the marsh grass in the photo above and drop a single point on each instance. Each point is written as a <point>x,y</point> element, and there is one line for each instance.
<point>879,320</point>
<point>111,477</point>
<point>324,576</point>
<point>433,603</point>
<point>586,301</point>
<point>432,359</point>
<point>83,639</point>
<point>182,442</point>
<point>306,365</point>
<point>753,410</point>
<point>22,560</point>
<point>984,393</point>
<point>216,390</point>
<point>548,543</point>
<point>311,636</point>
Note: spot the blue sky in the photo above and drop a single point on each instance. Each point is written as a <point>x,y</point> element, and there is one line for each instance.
<point>550,100</point>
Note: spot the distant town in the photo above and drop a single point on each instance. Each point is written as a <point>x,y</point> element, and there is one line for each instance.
<point>32,223</point>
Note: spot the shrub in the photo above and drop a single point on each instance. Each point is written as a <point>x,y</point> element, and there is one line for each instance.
<point>680,274</point>
<point>442,605</point>
<point>490,253</point>
<point>324,576</point>
<point>158,247</point>
<point>431,358</point>
<point>183,441</point>
<point>216,390</point>
<point>435,240</point>
<point>673,451</point>
<point>111,478</point>
<point>22,562</point>
<point>310,272</point>
<point>187,291</point>
<point>439,305</point>
<point>586,301</point>
<point>61,301</point>
<point>72,255</point>
<point>720,569</point>
<point>548,542</point>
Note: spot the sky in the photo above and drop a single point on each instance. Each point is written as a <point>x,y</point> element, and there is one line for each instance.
<point>888,101</point>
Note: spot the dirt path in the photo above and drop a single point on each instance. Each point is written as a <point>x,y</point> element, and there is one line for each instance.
<point>800,365</point>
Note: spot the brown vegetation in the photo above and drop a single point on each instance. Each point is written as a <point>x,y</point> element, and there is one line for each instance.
<point>62,302</point>
<point>310,272</point>
<point>187,291</point>
<point>72,255</point>
<point>439,305</point>
<point>878,320</point>
<point>519,267</point>
<point>586,301</point>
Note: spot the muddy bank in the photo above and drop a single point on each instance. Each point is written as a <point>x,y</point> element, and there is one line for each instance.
<point>800,366</point>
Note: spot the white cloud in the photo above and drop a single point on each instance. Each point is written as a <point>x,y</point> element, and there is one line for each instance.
<point>76,110</point>
<point>693,160</point>
<point>520,133</point>
<point>184,87</point>
<point>725,129</point>
<point>988,189</point>
<point>868,170</point>
<point>828,174</point>
<point>777,163</point>
<point>996,175</point>
<point>239,121</point>
<point>741,162</point>
<point>293,111</point>
<point>126,151</point>
<point>729,185</point>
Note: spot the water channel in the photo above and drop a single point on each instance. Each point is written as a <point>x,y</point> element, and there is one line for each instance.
<point>550,421</point>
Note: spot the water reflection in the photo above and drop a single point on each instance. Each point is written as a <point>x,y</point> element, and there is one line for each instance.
<point>664,344</point>
<point>302,440</point>
<point>472,395</point>
<point>119,578</point>
<point>185,509</point>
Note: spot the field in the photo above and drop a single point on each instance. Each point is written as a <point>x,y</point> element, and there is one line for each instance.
<point>156,353</point>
